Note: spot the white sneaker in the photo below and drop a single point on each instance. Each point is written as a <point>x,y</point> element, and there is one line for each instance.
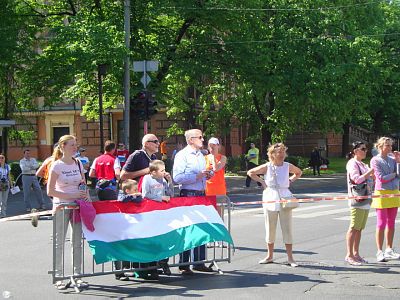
<point>380,256</point>
<point>391,254</point>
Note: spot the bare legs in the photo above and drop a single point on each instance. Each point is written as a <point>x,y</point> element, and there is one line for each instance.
<point>353,238</point>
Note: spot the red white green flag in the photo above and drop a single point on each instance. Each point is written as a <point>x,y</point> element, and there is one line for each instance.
<point>151,231</point>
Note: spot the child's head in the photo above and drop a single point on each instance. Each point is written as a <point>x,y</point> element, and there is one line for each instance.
<point>130,186</point>
<point>157,168</point>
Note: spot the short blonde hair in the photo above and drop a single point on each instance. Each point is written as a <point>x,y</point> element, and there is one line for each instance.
<point>381,142</point>
<point>129,184</point>
<point>156,165</point>
<point>273,148</point>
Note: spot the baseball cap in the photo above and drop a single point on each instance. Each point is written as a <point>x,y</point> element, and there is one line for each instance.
<point>214,141</point>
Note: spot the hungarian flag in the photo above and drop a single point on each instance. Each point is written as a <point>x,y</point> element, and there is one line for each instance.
<point>151,231</point>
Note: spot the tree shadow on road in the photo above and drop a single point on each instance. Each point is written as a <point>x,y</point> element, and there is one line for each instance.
<point>193,286</point>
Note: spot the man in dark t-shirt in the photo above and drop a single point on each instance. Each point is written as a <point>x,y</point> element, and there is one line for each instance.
<point>136,166</point>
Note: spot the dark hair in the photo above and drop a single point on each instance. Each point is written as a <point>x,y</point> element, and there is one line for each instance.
<point>355,146</point>
<point>27,150</point>
<point>109,146</point>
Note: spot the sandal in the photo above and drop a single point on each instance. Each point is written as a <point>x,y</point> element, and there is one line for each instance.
<point>361,260</point>
<point>352,261</point>
<point>293,264</point>
<point>266,260</point>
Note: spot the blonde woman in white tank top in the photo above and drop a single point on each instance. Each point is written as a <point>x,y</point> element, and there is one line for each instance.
<point>276,183</point>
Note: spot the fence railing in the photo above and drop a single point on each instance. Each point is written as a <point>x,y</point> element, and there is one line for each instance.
<point>73,248</point>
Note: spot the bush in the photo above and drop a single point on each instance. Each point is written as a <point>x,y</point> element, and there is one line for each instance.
<point>298,161</point>
<point>235,164</point>
<point>15,171</point>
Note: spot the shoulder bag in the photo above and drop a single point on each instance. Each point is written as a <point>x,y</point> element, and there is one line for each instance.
<point>360,189</point>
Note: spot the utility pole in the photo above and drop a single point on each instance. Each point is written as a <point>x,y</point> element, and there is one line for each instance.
<point>127,26</point>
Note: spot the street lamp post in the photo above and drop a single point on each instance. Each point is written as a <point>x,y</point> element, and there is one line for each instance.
<point>101,71</point>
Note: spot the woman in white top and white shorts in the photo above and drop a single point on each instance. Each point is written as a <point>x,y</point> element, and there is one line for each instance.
<point>276,183</point>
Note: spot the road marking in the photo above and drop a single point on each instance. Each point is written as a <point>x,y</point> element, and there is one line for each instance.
<point>321,213</point>
<point>347,218</point>
<point>312,207</point>
<point>260,209</point>
<point>249,210</point>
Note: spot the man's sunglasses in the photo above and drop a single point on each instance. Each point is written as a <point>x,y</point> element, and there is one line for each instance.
<point>155,141</point>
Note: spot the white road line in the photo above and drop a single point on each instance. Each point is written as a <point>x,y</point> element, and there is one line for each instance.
<point>251,210</point>
<point>244,211</point>
<point>347,218</point>
<point>311,207</point>
<point>321,213</point>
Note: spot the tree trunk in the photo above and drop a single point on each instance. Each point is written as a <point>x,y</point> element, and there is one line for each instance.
<point>266,139</point>
<point>345,139</point>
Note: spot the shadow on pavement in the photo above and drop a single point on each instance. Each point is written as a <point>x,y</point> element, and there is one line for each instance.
<point>190,286</point>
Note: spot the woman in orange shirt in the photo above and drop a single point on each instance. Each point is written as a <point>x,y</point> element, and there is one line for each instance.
<point>215,163</point>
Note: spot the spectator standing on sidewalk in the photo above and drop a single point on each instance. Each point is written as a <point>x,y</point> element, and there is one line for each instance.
<point>81,155</point>
<point>190,173</point>
<point>65,177</point>
<point>5,183</point>
<point>315,159</point>
<point>216,185</point>
<point>28,166</point>
<point>164,150</point>
<point>122,154</point>
<point>357,173</point>
<point>252,162</point>
<point>137,166</point>
<point>276,184</point>
<point>158,186</point>
<point>386,182</point>
<point>106,169</point>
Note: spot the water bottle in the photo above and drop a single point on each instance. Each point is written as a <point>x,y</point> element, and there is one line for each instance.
<point>82,186</point>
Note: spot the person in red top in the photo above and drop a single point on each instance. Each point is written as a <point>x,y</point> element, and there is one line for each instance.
<point>106,169</point>
<point>122,154</point>
<point>216,162</point>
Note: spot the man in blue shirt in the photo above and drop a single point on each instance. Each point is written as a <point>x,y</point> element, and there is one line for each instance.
<point>190,173</point>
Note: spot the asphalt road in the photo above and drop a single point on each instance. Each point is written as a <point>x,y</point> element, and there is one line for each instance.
<point>319,249</point>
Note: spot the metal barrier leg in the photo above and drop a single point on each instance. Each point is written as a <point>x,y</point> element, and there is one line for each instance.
<point>74,284</point>
<point>214,263</point>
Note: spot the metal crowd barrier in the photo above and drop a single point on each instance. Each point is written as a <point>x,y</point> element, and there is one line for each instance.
<point>215,252</point>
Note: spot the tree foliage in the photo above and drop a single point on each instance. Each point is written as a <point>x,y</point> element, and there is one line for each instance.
<point>276,65</point>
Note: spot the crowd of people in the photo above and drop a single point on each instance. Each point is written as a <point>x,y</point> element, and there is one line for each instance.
<point>132,177</point>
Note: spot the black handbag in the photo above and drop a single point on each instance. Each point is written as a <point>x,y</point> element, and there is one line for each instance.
<point>360,189</point>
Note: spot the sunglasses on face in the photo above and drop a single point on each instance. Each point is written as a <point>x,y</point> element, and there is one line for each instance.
<point>363,149</point>
<point>154,141</point>
<point>197,137</point>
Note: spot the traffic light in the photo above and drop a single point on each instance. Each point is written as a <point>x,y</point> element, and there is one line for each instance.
<point>143,105</point>
<point>151,105</point>
<point>138,105</point>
